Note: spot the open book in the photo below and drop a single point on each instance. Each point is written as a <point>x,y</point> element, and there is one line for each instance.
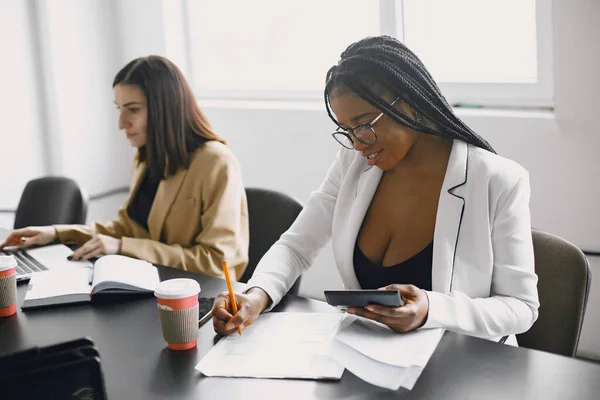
<point>111,274</point>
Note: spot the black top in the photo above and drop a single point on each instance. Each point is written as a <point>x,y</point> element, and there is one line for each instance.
<point>140,206</point>
<point>415,271</point>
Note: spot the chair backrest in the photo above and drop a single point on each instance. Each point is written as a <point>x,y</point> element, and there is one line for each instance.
<point>51,200</point>
<point>564,280</point>
<point>270,214</point>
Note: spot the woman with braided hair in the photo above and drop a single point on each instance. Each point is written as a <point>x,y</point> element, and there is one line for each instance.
<point>415,202</point>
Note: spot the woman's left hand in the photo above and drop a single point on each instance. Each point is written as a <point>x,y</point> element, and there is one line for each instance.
<point>99,244</point>
<point>410,316</point>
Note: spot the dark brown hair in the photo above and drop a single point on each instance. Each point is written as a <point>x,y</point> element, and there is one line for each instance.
<point>176,126</point>
<point>375,65</point>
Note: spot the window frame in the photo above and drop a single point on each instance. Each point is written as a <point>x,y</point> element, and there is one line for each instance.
<point>511,95</point>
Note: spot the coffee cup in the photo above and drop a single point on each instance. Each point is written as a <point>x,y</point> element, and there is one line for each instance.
<point>8,286</point>
<point>178,311</point>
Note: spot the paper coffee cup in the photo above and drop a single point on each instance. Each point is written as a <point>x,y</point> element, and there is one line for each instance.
<point>178,311</point>
<point>8,286</point>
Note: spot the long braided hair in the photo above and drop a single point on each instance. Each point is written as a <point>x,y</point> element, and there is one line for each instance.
<point>379,64</point>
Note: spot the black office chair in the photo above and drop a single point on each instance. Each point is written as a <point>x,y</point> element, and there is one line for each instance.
<point>51,200</point>
<point>270,214</point>
<point>564,279</point>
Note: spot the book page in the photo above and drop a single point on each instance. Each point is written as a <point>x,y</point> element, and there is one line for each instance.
<point>57,283</point>
<point>277,345</point>
<point>117,272</point>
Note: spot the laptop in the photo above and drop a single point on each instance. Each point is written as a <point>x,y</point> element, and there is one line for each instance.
<point>34,260</point>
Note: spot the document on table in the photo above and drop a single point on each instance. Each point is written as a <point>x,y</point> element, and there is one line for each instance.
<point>278,345</point>
<point>382,357</point>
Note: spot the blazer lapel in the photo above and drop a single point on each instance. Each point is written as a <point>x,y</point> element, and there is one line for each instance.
<point>136,180</point>
<point>449,217</point>
<point>364,192</point>
<point>165,196</point>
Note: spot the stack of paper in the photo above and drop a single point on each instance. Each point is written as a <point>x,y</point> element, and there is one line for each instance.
<point>319,346</point>
<point>277,345</point>
<point>382,357</point>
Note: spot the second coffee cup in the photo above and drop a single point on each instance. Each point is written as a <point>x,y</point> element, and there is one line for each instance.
<point>8,286</point>
<point>178,311</point>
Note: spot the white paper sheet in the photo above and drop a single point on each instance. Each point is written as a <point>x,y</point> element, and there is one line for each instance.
<point>379,342</point>
<point>4,234</point>
<point>55,256</point>
<point>382,357</point>
<point>277,345</point>
<point>367,369</point>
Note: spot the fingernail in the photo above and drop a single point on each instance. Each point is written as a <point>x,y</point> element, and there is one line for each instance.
<point>228,326</point>
<point>22,240</point>
<point>370,308</point>
<point>350,311</point>
<point>70,258</point>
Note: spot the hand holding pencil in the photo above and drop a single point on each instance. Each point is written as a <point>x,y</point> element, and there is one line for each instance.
<point>234,311</point>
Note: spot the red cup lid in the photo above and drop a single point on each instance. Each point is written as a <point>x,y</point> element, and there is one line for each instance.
<point>177,289</point>
<point>7,262</point>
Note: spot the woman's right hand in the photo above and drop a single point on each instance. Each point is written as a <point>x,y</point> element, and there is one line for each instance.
<point>32,235</point>
<point>249,306</point>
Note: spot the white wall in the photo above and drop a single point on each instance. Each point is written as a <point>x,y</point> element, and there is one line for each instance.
<point>20,155</point>
<point>78,87</point>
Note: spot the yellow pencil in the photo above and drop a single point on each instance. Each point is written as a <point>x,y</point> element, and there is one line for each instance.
<point>231,295</point>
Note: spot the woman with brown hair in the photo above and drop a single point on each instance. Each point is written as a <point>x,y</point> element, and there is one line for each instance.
<point>187,204</point>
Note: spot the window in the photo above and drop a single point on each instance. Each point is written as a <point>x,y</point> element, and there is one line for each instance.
<point>273,48</point>
<point>487,52</point>
<point>483,51</point>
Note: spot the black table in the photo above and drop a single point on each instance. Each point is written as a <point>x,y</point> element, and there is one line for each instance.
<point>137,364</point>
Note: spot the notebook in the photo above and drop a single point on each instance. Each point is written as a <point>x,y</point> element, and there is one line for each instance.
<point>111,274</point>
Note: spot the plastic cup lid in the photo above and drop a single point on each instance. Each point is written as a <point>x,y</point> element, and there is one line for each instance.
<point>7,262</point>
<point>177,288</point>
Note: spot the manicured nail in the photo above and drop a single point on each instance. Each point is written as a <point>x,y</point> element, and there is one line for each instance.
<point>70,258</point>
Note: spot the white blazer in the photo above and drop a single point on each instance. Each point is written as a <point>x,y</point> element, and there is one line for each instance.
<point>483,277</point>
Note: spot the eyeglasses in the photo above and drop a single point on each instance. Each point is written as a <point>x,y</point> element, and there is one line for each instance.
<point>364,133</point>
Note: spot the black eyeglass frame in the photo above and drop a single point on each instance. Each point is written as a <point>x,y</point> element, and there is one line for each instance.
<point>349,133</point>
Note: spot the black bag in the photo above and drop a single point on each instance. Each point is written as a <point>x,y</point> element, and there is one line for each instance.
<point>68,370</point>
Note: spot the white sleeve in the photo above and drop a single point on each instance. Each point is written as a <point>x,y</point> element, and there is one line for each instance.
<point>295,251</point>
<point>513,303</point>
